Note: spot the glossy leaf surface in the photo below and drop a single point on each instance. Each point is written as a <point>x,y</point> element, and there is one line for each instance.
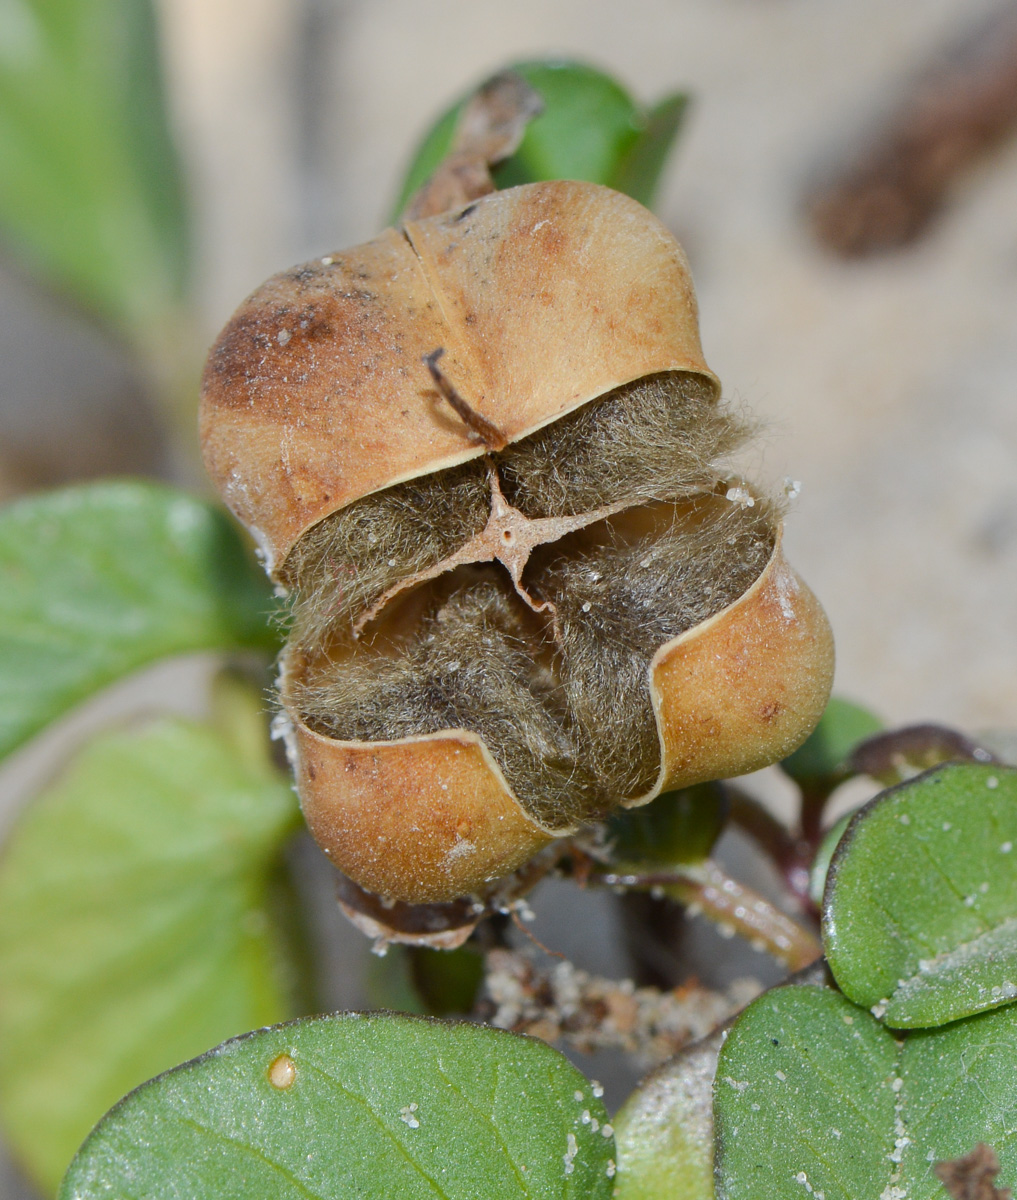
<point>138,926</point>
<point>90,191</point>
<point>814,1097</point>
<point>375,1106</point>
<point>98,581</point>
<point>920,910</point>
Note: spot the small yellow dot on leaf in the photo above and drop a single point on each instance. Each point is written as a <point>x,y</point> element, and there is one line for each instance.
<point>282,1072</point>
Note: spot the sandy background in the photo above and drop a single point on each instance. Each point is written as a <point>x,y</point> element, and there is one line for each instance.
<point>888,387</point>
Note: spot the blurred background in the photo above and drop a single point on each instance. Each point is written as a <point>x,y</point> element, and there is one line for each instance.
<point>845,185</point>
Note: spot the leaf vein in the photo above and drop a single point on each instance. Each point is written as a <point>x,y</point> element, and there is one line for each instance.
<point>382,1125</point>
<point>253,1151</point>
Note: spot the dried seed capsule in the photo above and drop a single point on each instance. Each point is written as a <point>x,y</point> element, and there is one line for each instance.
<point>485,456</point>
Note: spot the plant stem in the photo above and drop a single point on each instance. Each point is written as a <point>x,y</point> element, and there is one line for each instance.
<point>761,825</point>
<point>791,855</point>
<point>732,906</point>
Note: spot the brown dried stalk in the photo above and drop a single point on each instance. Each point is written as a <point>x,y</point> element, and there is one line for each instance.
<point>900,754</point>
<point>958,108</point>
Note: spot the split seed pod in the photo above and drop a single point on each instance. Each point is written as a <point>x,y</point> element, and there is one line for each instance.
<point>484,456</point>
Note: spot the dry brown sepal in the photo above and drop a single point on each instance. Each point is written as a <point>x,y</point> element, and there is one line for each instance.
<point>438,926</point>
<point>445,925</point>
<point>971,1177</point>
<point>484,453</point>
<point>490,130</point>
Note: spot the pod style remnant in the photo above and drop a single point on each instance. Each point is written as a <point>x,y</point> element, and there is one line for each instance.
<point>481,454</point>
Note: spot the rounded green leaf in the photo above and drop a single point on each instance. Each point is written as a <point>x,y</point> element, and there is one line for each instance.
<point>590,129</point>
<point>376,1107</point>
<point>804,1078</point>
<point>664,1131</point>
<point>815,1098</point>
<point>821,758</point>
<point>90,189</point>
<point>138,926</point>
<point>97,581</point>
<point>920,910</point>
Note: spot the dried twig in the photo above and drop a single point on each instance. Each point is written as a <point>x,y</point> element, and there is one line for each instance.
<point>559,1002</point>
<point>900,754</point>
<point>957,109</point>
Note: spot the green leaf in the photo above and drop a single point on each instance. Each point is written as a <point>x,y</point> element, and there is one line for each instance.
<point>820,761</point>
<point>590,129</point>
<point>588,125</point>
<point>90,190</point>
<point>638,172</point>
<point>920,913</point>
<point>677,827</point>
<point>374,1106</point>
<point>815,1098</point>
<point>97,581</point>
<point>664,1131</point>
<point>136,927</point>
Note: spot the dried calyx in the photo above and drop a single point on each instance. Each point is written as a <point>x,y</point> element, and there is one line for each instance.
<point>404,623</point>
